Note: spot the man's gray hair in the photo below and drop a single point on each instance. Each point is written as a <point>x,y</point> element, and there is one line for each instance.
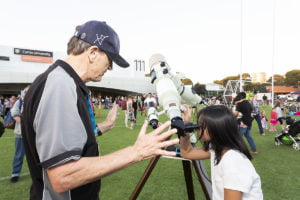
<point>77,46</point>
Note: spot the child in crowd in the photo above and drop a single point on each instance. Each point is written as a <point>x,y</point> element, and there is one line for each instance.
<point>264,120</point>
<point>233,175</point>
<point>279,113</point>
<point>273,121</point>
<point>292,109</point>
<point>130,112</point>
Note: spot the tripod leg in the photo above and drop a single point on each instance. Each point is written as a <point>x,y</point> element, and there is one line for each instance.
<point>205,183</point>
<point>188,179</point>
<point>144,178</point>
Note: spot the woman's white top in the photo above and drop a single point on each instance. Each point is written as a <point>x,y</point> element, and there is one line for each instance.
<point>236,172</point>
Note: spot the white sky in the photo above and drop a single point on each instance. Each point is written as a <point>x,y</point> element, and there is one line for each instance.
<point>200,38</point>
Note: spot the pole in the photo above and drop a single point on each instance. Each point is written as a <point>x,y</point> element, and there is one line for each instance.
<point>273,51</point>
<point>241,59</point>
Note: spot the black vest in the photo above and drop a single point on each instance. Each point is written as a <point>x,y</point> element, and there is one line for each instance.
<point>31,103</point>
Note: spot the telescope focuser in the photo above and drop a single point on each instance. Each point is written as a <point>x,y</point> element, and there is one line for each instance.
<point>178,123</point>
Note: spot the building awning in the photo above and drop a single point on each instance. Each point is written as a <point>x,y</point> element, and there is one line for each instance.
<point>283,89</point>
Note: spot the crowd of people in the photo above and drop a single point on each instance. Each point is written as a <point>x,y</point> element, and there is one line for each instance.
<point>130,104</point>
<point>245,111</point>
<point>6,103</point>
<point>13,107</point>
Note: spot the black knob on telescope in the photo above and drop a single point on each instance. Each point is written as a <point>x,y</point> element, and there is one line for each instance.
<point>178,123</point>
<point>165,71</point>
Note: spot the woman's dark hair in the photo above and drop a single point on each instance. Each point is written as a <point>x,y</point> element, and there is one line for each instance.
<point>241,95</point>
<point>222,129</point>
<point>237,98</point>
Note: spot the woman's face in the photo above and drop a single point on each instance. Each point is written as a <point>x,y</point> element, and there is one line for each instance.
<point>202,133</point>
<point>205,137</point>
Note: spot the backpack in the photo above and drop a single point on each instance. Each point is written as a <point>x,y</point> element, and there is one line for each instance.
<point>9,121</point>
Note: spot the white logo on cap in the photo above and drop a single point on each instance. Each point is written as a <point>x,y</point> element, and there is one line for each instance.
<point>100,39</point>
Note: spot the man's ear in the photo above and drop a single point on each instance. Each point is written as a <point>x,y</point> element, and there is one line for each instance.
<point>92,53</point>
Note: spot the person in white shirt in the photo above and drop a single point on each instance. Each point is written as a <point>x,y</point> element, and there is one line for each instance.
<point>279,114</point>
<point>16,112</point>
<point>150,101</point>
<point>233,175</point>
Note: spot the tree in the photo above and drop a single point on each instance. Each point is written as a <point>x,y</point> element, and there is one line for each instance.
<point>255,87</point>
<point>292,78</point>
<point>199,88</point>
<point>220,82</point>
<point>245,76</point>
<point>224,81</point>
<point>278,79</point>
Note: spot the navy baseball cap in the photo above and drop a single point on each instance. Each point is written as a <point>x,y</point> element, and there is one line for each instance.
<point>104,37</point>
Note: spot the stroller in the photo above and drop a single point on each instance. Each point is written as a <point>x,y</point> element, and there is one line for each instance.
<point>289,136</point>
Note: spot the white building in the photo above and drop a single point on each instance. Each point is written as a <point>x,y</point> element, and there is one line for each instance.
<point>259,77</point>
<point>20,66</point>
<point>214,87</point>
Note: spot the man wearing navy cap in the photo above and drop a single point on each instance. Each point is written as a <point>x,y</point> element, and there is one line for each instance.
<point>59,128</point>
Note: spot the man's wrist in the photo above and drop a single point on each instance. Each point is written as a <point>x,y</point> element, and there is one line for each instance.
<point>105,126</point>
<point>136,155</point>
<point>99,132</point>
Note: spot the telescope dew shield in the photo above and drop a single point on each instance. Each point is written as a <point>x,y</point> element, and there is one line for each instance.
<point>168,97</point>
<point>152,116</point>
<point>188,96</point>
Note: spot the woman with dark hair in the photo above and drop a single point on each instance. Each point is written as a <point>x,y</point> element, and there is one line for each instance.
<point>233,175</point>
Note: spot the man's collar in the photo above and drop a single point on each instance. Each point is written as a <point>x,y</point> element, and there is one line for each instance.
<point>74,75</point>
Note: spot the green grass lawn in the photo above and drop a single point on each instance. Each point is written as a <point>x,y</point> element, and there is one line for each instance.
<point>278,167</point>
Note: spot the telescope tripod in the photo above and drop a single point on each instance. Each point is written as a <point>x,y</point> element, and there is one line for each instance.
<point>186,164</point>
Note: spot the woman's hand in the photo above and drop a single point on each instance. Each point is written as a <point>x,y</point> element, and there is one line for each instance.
<point>186,113</point>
